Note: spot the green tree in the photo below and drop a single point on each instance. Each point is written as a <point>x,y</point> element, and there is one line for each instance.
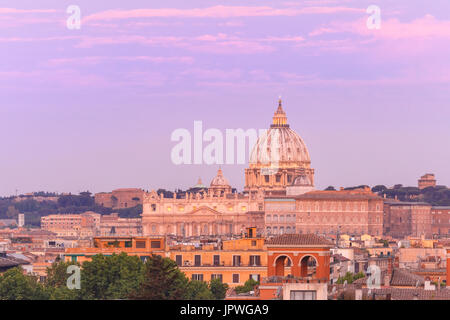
<point>198,290</point>
<point>111,277</point>
<point>218,289</point>
<point>14,285</point>
<point>56,282</point>
<point>248,286</point>
<point>350,277</point>
<point>162,281</point>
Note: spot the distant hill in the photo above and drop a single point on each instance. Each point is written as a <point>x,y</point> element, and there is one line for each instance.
<point>40,204</point>
<point>436,196</point>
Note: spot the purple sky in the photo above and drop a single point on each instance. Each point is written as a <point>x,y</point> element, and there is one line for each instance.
<point>93,109</point>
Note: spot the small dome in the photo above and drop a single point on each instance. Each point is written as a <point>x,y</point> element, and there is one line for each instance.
<point>199,184</point>
<point>219,180</point>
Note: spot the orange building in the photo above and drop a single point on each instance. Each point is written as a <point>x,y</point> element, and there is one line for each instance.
<point>232,261</point>
<point>448,267</point>
<point>134,246</point>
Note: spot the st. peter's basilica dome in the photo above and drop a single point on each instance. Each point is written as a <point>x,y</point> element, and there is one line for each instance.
<point>279,156</point>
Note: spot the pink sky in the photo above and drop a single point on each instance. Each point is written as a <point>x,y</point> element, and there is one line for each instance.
<point>93,109</point>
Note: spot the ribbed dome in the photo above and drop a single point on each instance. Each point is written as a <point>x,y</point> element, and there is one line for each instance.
<point>219,180</point>
<point>279,143</point>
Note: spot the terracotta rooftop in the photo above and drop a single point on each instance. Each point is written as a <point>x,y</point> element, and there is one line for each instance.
<point>298,239</point>
<point>405,278</point>
<point>342,194</point>
<point>399,278</point>
<point>412,294</point>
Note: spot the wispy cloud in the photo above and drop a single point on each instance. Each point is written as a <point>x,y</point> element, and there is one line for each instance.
<point>14,10</point>
<point>93,60</point>
<point>425,27</point>
<point>217,12</point>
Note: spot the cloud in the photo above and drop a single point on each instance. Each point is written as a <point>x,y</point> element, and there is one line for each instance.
<point>14,10</point>
<point>216,12</point>
<point>93,60</point>
<point>427,27</point>
<point>215,74</point>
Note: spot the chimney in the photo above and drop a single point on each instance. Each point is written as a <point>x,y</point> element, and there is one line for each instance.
<point>390,269</point>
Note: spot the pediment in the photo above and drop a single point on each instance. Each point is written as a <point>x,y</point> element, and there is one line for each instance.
<point>204,210</point>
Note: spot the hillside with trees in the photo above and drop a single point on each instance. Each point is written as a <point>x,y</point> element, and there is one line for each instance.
<point>33,209</point>
<point>436,196</point>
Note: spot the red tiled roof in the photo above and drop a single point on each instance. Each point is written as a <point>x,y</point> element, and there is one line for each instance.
<point>298,239</point>
<point>405,278</point>
<point>411,294</point>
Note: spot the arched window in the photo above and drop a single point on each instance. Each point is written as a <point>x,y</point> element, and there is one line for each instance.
<point>268,218</point>
<point>275,218</point>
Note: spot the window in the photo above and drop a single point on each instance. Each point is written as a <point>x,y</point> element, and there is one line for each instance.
<point>236,261</point>
<point>128,244</point>
<point>255,277</point>
<point>153,207</point>
<point>268,218</point>
<point>216,260</point>
<point>197,260</point>
<point>303,295</point>
<point>217,276</point>
<point>260,207</point>
<point>198,277</point>
<point>278,178</point>
<point>235,278</point>
<point>253,243</point>
<point>140,244</point>
<point>255,260</point>
<point>155,244</point>
<point>266,178</point>
<point>179,259</point>
<point>289,178</point>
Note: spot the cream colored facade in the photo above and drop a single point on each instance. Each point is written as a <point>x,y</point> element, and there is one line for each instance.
<point>202,214</point>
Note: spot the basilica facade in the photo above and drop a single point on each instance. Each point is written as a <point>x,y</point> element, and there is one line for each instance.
<point>214,211</point>
<point>279,197</point>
